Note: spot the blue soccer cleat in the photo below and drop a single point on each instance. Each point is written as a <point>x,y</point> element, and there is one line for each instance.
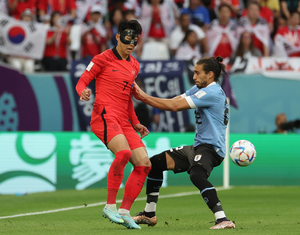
<point>113,216</point>
<point>129,223</point>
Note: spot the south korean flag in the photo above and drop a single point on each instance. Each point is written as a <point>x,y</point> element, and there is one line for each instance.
<point>19,38</point>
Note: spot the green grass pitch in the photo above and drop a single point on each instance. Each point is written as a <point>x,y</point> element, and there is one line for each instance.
<point>255,210</point>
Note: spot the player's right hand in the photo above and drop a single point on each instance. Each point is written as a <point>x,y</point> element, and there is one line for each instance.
<point>137,92</point>
<point>85,95</point>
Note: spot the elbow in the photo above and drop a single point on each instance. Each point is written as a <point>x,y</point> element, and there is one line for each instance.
<point>175,107</point>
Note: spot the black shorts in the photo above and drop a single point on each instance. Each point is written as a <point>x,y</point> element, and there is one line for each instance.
<point>203,155</point>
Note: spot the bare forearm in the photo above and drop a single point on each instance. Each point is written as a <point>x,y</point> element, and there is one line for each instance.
<point>164,104</point>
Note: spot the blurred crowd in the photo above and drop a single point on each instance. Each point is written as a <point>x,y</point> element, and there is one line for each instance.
<point>172,29</point>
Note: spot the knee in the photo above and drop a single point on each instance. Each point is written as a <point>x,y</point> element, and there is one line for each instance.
<point>197,174</point>
<point>122,157</point>
<point>143,170</point>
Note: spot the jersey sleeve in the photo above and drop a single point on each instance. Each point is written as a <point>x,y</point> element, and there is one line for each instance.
<point>132,116</point>
<point>201,98</point>
<point>92,70</point>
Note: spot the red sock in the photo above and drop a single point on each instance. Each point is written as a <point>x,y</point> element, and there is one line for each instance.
<point>115,175</point>
<point>134,185</point>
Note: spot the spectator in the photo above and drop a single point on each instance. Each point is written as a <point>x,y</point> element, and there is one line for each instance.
<point>3,7</point>
<point>93,38</point>
<point>188,49</point>
<point>132,7</point>
<point>265,13</point>
<point>16,7</point>
<point>83,9</point>
<point>199,14</point>
<point>157,19</point>
<point>288,6</point>
<point>280,118</point>
<point>246,48</point>
<point>287,38</point>
<point>112,27</point>
<point>22,63</point>
<point>258,26</point>
<point>55,55</point>
<point>66,7</point>
<point>273,5</point>
<point>234,6</point>
<point>221,34</point>
<point>179,32</point>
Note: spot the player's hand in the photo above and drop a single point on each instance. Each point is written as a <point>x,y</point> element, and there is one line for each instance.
<point>137,92</point>
<point>85,95</point>
<point>142,130</point>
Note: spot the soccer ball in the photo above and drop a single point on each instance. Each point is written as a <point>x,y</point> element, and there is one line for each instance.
<point>242,153</point>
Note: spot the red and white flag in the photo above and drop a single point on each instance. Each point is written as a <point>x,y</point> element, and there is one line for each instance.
<point>20,38</point>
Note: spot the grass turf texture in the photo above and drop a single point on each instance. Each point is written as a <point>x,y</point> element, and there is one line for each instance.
<point>255,210</point>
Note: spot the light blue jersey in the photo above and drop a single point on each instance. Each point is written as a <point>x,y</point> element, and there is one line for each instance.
<point>211,113</point>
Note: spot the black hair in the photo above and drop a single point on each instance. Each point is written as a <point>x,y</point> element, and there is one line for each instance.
<point>149,2</point>
<point>187,34</point>
<point>130,24</point>
<point>54,13</point>
<point>213,64</point>
<point>223,5</point>
<point>253,3</point>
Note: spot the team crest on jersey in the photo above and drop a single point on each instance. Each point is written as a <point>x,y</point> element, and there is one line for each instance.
<point>197,158</point>
<point>200,94</point>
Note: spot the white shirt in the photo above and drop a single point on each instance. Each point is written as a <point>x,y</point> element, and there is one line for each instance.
<point>185,52</point>
<point>177,35</point>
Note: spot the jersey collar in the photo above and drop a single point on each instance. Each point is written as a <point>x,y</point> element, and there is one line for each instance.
<point>210,84</point>
<point>114,50</point>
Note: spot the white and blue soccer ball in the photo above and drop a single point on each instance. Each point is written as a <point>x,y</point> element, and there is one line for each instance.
<point>242,153</point>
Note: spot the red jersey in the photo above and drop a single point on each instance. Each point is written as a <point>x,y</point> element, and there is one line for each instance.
<point>63,6</point>
<point>21,6</point>
<point>92,42</point>
<point>265,13</point>
<point>114,80</point>
<point>58,47</point>
<point>224,48</point>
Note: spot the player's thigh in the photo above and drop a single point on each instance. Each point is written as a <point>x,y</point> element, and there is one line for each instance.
<point>180,156</point>
<point>109,131</point>
<point>118,143</point>
<point>139,157</point>
<point>206,157</point>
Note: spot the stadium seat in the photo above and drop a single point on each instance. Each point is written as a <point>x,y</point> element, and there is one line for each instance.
<point>155,51</point>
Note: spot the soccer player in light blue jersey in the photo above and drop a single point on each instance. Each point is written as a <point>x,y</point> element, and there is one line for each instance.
<point>208,151</point>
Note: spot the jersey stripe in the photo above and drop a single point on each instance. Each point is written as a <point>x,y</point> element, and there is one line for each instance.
<point>190,102</point>
<point>105,126</point>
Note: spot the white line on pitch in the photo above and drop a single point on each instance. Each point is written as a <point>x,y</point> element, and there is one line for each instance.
<point>101,203</point>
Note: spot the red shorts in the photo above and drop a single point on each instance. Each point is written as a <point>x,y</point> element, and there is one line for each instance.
<point>106,124</point>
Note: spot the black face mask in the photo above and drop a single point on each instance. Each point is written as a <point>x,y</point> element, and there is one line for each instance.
<point>129,34</point>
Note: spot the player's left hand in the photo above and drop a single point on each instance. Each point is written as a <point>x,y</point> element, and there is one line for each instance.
<point>142,130</point>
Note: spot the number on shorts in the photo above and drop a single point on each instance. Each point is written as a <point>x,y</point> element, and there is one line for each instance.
<point>177,148</point>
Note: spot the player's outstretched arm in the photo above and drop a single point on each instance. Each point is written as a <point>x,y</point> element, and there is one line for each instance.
<point>175,104</point>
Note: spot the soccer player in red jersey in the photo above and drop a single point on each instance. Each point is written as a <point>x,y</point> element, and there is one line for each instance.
<point>114,121</point>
